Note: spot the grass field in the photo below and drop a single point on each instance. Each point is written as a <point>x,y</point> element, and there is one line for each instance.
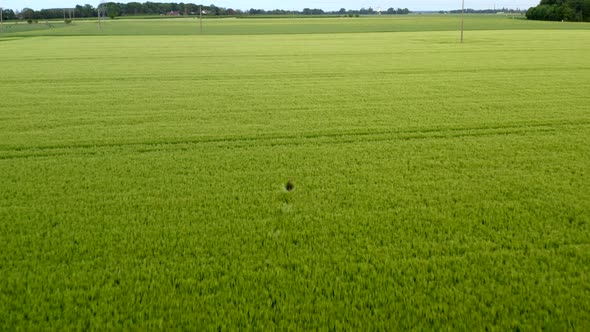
<point>295,25</point>
<point>438,185</point>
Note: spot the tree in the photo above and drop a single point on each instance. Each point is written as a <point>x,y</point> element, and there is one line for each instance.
<point>85,11</point>
<point>566,13</point>
<point>113,9</point>
<point>134,8</point>
<point>8,14</point>
<point>27,14</point>
<point>560,10</point>
<point>253,11</point>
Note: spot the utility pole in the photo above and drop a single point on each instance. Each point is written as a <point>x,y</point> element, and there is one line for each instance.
<point>201,18</point>
<point>462,19</point>
<point>98,11</point>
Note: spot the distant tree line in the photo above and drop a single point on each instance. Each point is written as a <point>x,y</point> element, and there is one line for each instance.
<point>484,11</point>
<point>371,11</point>
<point>561,10</point>
<point>114,9</point>
<point>342,11</point>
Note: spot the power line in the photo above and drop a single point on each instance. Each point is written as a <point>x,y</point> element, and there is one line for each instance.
<point>462,18</point>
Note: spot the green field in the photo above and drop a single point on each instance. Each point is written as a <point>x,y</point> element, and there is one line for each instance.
<point>438,185</point>
<point>289,25</point>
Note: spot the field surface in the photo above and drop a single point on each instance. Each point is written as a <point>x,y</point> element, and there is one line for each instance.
<point>438,185</point>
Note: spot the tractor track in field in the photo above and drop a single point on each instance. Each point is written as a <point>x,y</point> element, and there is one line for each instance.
<point>294,140</point>
<point>231,78</point>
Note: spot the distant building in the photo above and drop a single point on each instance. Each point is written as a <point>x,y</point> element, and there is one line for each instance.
<point>173,13</point>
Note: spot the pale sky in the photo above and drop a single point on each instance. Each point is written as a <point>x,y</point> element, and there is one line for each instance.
<point>298,5</point>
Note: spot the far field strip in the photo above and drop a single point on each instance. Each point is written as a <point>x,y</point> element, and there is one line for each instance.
<point>287,25</point>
